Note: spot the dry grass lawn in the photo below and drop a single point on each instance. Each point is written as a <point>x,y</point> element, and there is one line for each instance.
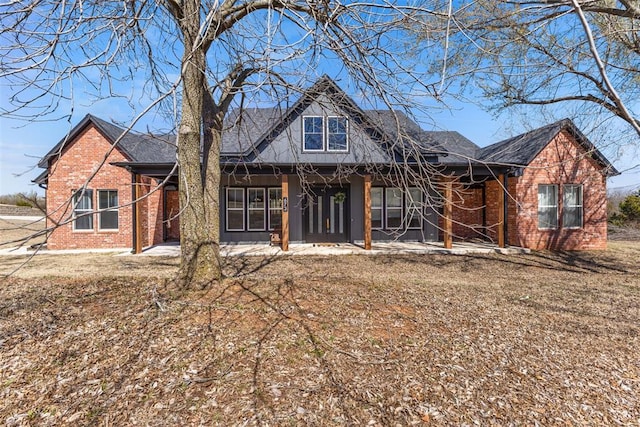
<point>540,339</point>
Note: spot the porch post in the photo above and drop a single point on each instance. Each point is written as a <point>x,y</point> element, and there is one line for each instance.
<point>448,213</point>
<point>137,244</point>
<point>501,212</point>
<point>284,239</point>
<point>367,212</point>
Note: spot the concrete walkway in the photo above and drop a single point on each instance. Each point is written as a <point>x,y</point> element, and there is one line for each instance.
<point>296,249</point>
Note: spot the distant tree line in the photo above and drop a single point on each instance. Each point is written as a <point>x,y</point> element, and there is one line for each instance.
<point>31,200</point>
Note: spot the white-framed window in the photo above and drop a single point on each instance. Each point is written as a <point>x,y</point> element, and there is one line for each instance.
<point>275,208</point>
<point>337,134</point>
<point>547,206</point>
<point>572,210</point>
<point>235,209</point>
<point>313,133</point>
<point>82,210</point>
<point>108,219</point>
<point>377,208</point>
<point>414,208</point>
<point>256,209</point>
<point>393,205</point>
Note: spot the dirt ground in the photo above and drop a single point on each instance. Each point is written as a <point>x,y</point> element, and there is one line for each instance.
<point>539,339</point>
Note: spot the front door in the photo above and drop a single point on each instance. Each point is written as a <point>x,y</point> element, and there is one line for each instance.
<point>325,215</point>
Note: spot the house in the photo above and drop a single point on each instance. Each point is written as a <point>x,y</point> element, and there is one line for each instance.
<point>325,170</point>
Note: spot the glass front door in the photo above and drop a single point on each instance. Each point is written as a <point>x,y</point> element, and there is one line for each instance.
<point>325,215</point>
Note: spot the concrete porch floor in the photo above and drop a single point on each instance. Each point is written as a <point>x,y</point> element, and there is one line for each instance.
<point>378,248</point>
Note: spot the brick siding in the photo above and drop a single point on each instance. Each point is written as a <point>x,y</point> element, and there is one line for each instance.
<point>82,158</point>
<point>561,162</point>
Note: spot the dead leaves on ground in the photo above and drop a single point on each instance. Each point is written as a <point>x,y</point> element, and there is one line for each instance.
<point>368,341</point>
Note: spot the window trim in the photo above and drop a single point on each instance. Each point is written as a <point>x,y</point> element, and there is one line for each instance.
<point>581,206</point>
<point>400,208</point>
<point>108,209</point>
<point>557,208</point>
<point>380,208</point>
<point>269,209</point>
<point>304,134</point>
<point>84,192</point>
<point>250,209</point>
<point>227,209</point>
<point>346,134</point>
<point>418,207</point>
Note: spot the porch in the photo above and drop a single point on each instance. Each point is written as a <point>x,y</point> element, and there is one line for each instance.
<point>377,248</point>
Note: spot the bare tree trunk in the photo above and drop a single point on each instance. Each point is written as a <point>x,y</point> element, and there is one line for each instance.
<point>199,230</point>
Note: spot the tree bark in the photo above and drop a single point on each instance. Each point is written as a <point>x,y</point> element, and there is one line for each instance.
<point>199,229</point>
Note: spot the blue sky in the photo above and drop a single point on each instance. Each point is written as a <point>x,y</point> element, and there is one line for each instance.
<point>23,143</point>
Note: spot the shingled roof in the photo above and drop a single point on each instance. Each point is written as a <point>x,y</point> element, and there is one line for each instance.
<point>250,129</point>
<point>135,146</point>
<point>522,149</point>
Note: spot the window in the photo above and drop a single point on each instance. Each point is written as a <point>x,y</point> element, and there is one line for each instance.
<point>394,207</point>
<point>318,138</point>
<point>313,133</point>
<point>275,208</point>
<point>414,208</point>
<point>255,206</point>
<point>108,219</point>
<point>547,206</point>
<point>377,208</point>
<point>337,134</point>
<point>572,206</point>
<point>82,208</point>
<point>235,209</point>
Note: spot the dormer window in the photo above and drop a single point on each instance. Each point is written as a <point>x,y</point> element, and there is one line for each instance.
<point>337,134</point>
<point>325,134</point>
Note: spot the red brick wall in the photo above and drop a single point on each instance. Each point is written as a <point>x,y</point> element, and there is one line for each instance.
<point>69,172</point>
<point>494,197</point>
<point>467,212</point>
<point>563,161</point>
<point>82,157</point>
<point>173,207</point>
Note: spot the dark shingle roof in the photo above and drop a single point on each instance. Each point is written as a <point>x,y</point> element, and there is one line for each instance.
<point>522,149</point>
<point>137,147</point>
<point>245,128</point>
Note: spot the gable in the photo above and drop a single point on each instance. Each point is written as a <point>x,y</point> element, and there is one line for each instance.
<point>286,147</point>
<point>521,150</point>
<point>86,144</point>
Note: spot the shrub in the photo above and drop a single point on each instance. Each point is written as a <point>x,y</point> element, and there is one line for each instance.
<point>630,207</point>
<point>23,203</point>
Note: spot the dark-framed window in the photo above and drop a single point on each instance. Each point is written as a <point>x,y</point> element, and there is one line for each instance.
<point>547,206</point>
<point>235,209</point>
<point>337,134</point>
<point>108,205</point>
<point>313,133</point>
<point>572,208</point>
<point>83,210</point>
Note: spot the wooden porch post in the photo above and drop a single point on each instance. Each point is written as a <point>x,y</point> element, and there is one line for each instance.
<point>501,212</point>
<point>367,212</point>
<point>284,239</point>
<point>448,213</point>
<point>138,194</point>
